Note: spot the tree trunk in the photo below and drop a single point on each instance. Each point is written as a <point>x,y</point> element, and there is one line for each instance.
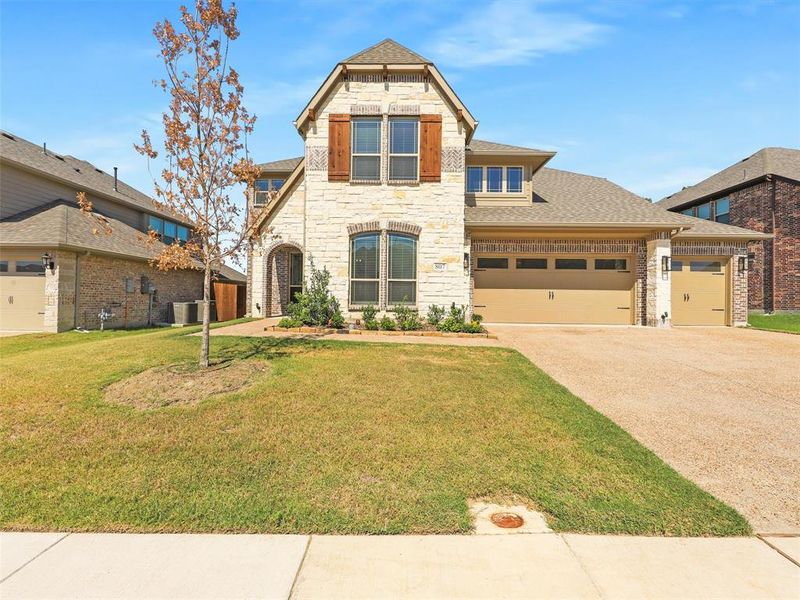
<point>204,344</point>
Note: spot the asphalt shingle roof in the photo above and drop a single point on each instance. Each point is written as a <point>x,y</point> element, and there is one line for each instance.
<point>286,165</point>
<point>387,52</point>
<point>485,146</point>
<point>83,175</point>
<point>784,162</point>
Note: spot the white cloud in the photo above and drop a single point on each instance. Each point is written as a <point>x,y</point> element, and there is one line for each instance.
<point>512,33</point>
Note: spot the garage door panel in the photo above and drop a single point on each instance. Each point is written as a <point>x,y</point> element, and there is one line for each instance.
<point>21,303</point>
<point>699,291</point>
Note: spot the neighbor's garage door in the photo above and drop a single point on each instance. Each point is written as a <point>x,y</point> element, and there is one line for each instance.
<point>555,289</point>
<point>699,290</point>
<point>21,294</point>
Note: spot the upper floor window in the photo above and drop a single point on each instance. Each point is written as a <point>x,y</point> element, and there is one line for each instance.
<point>366,149</point>
<point>514,180</point>
<point>168,231</point>
<point>183,233</point>
<point>494,179</point>
<point>474,179</point>
<point>688,211</point>
<point>403,149</point>
<point>722,209</point>
<point>263,187</point>
<point>704,211</point>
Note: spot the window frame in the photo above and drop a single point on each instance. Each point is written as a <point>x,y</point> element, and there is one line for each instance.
<point>378,154</point>
<point>727,213</point>
<point>502,181</point>
<point>567,260</point>
<point>521,189</point>
<point>710,216</point>
<point>500,258</point>
<point>518,261</point>
<point>615,269</point>
<point>390,279</point>
<point>390,154</point>
<point>482,179</point>
<point>351,274</point>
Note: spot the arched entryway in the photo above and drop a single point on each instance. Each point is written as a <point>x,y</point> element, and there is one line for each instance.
<point>283,277</point>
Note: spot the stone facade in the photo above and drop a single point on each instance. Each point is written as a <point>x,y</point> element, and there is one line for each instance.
<point>102,284</point>
<point>658,297</point>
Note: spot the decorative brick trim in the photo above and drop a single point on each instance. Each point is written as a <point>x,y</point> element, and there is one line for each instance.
<point>702,248</point>
<point>371,110</point>
<point>275,286</point>
<point>452,159</point>
<point>391,77</point>
<point>383,271</point>
<point>401,227</point>
<point>404,109</point>
<point>316,158</point>
<point>354,228</point>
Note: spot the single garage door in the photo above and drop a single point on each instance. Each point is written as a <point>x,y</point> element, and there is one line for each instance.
<point>554,289</point>
<point>21,294</point>
<point>700,290</point>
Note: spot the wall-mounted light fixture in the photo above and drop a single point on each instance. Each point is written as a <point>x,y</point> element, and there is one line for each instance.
<point>466,261</point>
<point>666,264</point>
<point>751,260</point>
<point>47,262</point>
<point>743,264</point>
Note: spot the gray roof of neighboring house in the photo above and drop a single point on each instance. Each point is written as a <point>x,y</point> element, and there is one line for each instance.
<point>62,224</point>
<point>563,198</point>
<point>784,162</point>
<point>232,274</point>
<point>81,175</point>
<point>479,146</point>
<point>387,52</point>
<point>286,165</point>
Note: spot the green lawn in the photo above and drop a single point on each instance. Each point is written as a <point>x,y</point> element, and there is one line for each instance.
<point>337,437</point>
<point>776,322</point>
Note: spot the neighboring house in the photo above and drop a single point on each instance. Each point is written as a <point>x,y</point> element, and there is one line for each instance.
<point>762,193</point>
<point>401,204</point>
<point>58,265</point>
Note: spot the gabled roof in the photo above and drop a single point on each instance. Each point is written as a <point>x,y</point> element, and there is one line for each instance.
<point>563,199</point>
<point>372,59</point>
<point>386,52</point>
<point>485,147</point>
<point>784,162</point>
<point>285,165</point>
<point>79,174</point>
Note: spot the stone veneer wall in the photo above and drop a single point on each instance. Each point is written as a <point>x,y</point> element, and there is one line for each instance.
<point>435,208</point>
<point>738,280</point>
<point>637,248</point>
<point>102,284</point>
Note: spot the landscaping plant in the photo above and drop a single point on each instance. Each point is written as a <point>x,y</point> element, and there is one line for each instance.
<point>407,319</point>
<point>455,321</point>
<point>369,317</point>
<point>435,314</point>
<point>388,324</point>
<point>316,306</point>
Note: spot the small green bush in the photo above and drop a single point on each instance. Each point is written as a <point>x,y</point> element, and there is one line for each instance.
<point>316,306</point>
<point>289,322</point>
<point>472,327</point>
<point>407,318</point>
<point>371,325</point>
<point>435,314</point>
<point>455,321</point>
<point>368,316</point>
<point>388,324</point>
<point>477,318</point>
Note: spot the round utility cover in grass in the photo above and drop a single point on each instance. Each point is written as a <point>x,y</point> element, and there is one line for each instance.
<point>184,384</point>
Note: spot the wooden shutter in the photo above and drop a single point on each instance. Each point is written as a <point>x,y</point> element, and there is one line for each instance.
<point>430,147</point>
<point>338,147</point>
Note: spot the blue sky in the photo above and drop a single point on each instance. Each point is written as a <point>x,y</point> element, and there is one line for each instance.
<point>653,95</point>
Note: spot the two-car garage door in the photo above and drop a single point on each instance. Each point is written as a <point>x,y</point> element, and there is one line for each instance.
<point>555,289</point>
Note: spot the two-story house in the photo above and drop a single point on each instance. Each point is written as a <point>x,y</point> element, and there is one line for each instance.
<point>760,192</point>
<point>60,267</point>
<point>402,204</point>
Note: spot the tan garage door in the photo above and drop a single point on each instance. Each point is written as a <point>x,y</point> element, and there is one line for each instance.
<point>21,293</point>
<point>554,289</point>
<point>700,290</point>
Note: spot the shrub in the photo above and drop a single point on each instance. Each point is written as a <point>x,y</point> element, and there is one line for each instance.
<point>472,327</point>
<point>450,325</point>
<point>371,325</point>
<point>368,316</point>
<point>477,318</point>
<point>455,321</point>
<point>289,322</point>
<point>407,318</point>
<point>435,314</point>
<point>316,306</point>
<point>387,324</point>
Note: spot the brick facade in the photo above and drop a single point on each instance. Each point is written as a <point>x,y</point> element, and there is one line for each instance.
<point>102,284</point>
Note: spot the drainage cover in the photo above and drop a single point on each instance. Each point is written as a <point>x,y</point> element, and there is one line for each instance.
<point>507,520</point>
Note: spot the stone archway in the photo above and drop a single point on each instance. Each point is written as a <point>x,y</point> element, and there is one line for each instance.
<point>278,269</point>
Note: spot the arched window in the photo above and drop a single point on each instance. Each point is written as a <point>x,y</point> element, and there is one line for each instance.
<point>364,268</point>
<point>402,272</point>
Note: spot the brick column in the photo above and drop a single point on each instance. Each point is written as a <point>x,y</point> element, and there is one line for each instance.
<point>659,288</point>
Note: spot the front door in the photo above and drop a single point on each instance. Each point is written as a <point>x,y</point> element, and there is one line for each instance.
<point>295,275</point>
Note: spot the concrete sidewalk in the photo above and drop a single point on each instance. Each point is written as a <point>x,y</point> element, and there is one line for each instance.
<point>52,565</point>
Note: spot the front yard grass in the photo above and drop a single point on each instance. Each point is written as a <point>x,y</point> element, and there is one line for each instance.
<point>776,322</point>
<point>335,437</point>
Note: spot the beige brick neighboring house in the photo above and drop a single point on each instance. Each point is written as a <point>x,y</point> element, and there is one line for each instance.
<point>87,270</point>
<point>398,200</point>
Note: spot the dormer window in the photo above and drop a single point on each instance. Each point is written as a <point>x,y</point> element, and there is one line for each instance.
<point>366,146</point>
<point>474,180</point>
<point>514,180</point>
<point>494,179</point>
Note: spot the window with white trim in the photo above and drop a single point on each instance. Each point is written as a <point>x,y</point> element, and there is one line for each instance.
<point>474,180</point>
<point>403,149</point>
<point>364,268</point>
<point>722,210</point>
<point>494,179</point>
<point>514,180</point>
<point>366,149</point>
<point>263,187</point>
<point>402,272</point>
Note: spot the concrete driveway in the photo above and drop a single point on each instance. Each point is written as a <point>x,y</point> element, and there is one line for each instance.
<point>721,405</point>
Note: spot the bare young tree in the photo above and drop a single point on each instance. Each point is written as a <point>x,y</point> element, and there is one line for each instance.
<point>204,132</point>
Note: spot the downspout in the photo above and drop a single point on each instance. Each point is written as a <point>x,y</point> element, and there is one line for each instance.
<point>77,290</point>
<point>772,262</point>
